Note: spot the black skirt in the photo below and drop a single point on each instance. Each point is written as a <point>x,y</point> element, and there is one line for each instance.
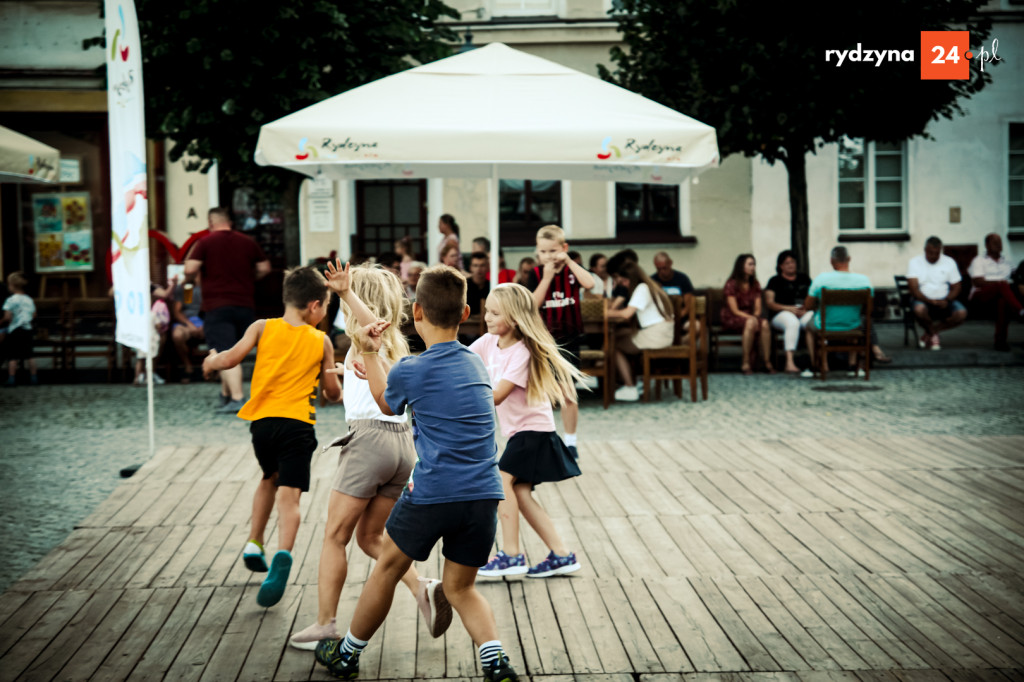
<point>538,457</point>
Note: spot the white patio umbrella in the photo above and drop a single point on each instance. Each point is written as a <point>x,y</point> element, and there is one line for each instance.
<point>23,159</point>
<point>494,112</point>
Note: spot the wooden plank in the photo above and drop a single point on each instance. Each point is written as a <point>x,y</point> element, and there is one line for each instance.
<point>669,557</point>
<point>577,637</point>
<point>108,566</point>
<point>510,624</point>
<point>704,559</point>
<point>829,497</point>
<point>87,564</point>
<point>44,650</point>
<point>60,560</point>
<point>960,623</point>
<point>644,636</point>
<point>628,496</point>
<point>668,455</point>
<point>641,560</point>
<point>699,632</point>
<point>757,617</point>
<point>10,602</point>
<point>212,512</point>
<point>991,593</point>
<point>604,560</point>
<point>163,552</point>
<point>757,546</point>
<point>831,630</point>
<point>692,500</point>
<point>227,559</point>
<point>801,556</point>
<point>120,496</point>
<point>129,649</point>
<point>552,658</point>
<point>206,632</point>
<point>158,512</point>
<point>30,611</point>
<point>201,561</point>
<point>663,501</point>
<point>525,625</point>
<point>746,499</point>
<point>730,551</point>
<point>779,491</point>
<point>885,546</point>
<point>748,644</point>
<point>709,491</point>
<point>895,527</point>
<point>905,624</point>
<point>398,647</point>
<point>830,596</point>
<point>268,641</point>
<point>102,637</point>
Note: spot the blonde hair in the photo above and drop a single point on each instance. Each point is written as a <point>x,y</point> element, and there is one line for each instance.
<point>552,377</point>
<point>17,280</point>
<point>552,232</point>
<point>382,292</point>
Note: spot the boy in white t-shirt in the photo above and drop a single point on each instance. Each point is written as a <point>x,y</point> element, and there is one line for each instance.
<point>19,311</point>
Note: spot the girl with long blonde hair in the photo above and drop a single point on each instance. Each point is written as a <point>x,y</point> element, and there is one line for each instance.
<point>529,376</point>
<point>376,459</point>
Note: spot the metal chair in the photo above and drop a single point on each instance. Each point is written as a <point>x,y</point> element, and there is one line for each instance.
<point>907,306</point>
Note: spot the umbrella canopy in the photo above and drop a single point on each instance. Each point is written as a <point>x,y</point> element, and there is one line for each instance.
<point>490,112</point>
<point>23,159</point>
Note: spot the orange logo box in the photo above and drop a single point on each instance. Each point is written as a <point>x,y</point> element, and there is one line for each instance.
<point>945,55</point>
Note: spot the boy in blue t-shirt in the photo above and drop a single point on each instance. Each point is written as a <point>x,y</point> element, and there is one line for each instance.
<point>455,486</point>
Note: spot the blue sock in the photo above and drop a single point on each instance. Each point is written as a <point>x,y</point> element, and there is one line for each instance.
<point>352,645</point>
<point>490,652</point>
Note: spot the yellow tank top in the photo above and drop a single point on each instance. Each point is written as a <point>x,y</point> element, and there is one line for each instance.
<point>287,373</point>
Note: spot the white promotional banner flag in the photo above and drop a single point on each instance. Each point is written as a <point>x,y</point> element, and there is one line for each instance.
<point>129,233</point>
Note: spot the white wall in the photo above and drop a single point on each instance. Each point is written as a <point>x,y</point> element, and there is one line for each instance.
<point>48,35</point>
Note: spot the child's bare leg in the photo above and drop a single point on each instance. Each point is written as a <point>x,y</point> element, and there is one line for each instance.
<point>570,416</point>
<point>475,612</point>
<point>262,505</point>
<point>370,536</point>
<point>539,520</point>
<point>12,368</point>
<point>343,512</point>
<point>508,515</point>
<point>375,599</point>
<point>32,366</point>
<point>288,516</point>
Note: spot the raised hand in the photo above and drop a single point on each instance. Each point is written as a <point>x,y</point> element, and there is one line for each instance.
<point>370,337</point>
<point>338,278</point>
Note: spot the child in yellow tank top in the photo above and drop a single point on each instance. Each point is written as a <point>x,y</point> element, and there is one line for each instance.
<point>291,358</point>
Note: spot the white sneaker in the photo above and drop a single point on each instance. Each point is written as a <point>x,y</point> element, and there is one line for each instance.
<point>158,380</point>
<point>627,393</point>
<point>807,374</point>
<point>140,380</point>
<point>856,374</point>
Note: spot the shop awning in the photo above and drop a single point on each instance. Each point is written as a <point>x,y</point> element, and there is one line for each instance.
<point>23,159</point>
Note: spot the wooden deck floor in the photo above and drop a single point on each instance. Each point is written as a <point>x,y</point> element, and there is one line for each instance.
<point>863,559</point>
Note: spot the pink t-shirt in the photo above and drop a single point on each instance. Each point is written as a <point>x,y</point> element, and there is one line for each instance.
<point>513,364</point>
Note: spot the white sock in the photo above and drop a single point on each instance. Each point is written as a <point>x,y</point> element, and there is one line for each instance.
<point>569,439</point>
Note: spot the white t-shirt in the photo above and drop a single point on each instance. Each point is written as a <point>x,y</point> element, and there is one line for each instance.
<point>359,402</point>
<point>647,312</point>
<point>933,279</point>
<point>992,270</point>
<point>22,309</point>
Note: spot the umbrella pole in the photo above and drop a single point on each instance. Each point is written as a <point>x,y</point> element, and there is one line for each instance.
<point>492,224</point>
<point>149,399</point>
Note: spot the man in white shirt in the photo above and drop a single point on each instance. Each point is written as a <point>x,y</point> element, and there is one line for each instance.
<point>935,285</point>
<point>990,276</point>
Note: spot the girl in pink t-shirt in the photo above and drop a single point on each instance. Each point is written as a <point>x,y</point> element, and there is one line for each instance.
<point>528,375</point>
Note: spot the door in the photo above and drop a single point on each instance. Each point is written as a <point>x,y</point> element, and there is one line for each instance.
<point>387,210</point>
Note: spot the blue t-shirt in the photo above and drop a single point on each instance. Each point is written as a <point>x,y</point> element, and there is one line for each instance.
<point>448,388</point>
<point>841,318</point>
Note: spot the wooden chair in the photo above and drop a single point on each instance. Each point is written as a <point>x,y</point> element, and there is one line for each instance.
<point>598,362</point>
<point>853,341</point>
<point>663,364</point>
<point>50,330</point>
<point>90,332</point>
<point>907,306</point>
<point>717,335</point>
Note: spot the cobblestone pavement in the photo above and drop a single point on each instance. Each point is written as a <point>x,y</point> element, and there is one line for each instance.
<point>62,446</point>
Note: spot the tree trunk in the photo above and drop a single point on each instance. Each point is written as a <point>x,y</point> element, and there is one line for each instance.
<point>796,168</point>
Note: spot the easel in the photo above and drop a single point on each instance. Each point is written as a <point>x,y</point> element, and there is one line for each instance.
<point>64,278</point>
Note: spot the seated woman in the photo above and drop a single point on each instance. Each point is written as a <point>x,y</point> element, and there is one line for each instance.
<point>784,297</point>
<point>742,312</point>
<point>651,307</point>
<point>451,256</point>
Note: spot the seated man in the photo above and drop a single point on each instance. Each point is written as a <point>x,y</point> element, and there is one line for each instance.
<point>839,318</point>
<point>991,291</point>
<point>674,283</point>
<point>934,286</point>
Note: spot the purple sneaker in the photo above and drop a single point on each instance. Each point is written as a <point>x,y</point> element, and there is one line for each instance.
<point>503,564</point>
<point>554,565</point>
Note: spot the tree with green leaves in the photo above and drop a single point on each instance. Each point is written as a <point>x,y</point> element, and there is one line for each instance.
<point>216,70</point>
<point>757,72</point>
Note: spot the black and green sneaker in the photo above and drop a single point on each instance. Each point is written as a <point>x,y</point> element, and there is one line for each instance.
<point>500,671</point>
<point>341,665</point>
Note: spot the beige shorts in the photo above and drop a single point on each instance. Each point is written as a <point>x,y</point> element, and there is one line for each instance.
<point>656,336</point>
<point>376,461</point>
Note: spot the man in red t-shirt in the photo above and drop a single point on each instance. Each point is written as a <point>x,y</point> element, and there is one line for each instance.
<point>230,264</point>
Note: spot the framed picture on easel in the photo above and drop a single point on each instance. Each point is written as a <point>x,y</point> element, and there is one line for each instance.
<point>63,232</point>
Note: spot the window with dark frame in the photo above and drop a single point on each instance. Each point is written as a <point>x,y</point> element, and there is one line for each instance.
<point>386,211</point>
<point>1016,193</point>
<point>646,212</point>
<point>525,206</point>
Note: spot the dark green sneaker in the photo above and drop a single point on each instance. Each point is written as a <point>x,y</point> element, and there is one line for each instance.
<point>343,666</point>
<point>500,671</point>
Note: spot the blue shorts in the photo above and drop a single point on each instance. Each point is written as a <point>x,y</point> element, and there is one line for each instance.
<point>467,529</point>
<point>937,314</point>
